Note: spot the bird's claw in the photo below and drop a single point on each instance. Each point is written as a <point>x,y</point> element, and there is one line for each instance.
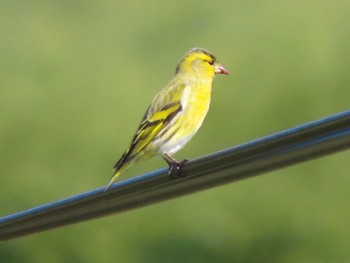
<point>175,169</point>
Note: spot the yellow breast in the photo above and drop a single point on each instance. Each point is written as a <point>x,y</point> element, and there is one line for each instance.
<point>195,102</point>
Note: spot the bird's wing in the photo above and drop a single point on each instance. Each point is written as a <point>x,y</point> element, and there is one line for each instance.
<point>157,117</point>
<point>152,124</point>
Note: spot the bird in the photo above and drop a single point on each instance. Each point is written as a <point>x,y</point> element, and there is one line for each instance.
<point>175,114</point>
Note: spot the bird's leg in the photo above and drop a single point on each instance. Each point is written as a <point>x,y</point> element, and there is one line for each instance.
<point>174,166</point>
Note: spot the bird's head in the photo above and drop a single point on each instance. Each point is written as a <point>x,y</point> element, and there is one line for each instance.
<point>200,63</point>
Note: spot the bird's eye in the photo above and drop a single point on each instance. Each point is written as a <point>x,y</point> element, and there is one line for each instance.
<point>211,62</point>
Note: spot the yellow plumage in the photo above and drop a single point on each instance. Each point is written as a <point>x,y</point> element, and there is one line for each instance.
<point>175,114</point>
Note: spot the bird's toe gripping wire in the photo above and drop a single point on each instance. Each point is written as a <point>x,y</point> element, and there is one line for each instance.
<point>175,166</point>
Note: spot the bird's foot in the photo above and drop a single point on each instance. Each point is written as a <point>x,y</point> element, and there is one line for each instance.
<point>175,169</point>
<point>174,166</point>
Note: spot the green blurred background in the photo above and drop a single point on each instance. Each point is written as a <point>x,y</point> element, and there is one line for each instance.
<point>77,76</point>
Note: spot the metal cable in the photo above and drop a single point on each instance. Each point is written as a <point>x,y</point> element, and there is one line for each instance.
<point>296,145</point>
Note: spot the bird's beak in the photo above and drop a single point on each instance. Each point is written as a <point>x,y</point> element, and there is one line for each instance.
<point>219,69</point>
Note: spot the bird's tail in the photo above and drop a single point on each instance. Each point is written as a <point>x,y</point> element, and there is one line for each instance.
<point>124,162</point>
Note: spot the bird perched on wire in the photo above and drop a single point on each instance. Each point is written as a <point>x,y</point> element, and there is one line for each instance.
<point>175,114</point>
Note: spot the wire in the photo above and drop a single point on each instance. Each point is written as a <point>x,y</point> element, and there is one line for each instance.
<point>296,145</point>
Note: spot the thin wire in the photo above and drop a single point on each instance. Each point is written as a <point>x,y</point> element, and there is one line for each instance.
<point>296,145</point>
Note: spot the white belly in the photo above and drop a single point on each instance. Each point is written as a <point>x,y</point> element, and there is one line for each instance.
<point>174,145</point>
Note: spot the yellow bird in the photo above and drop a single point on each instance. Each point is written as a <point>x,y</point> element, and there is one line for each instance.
<point>175,114</point>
